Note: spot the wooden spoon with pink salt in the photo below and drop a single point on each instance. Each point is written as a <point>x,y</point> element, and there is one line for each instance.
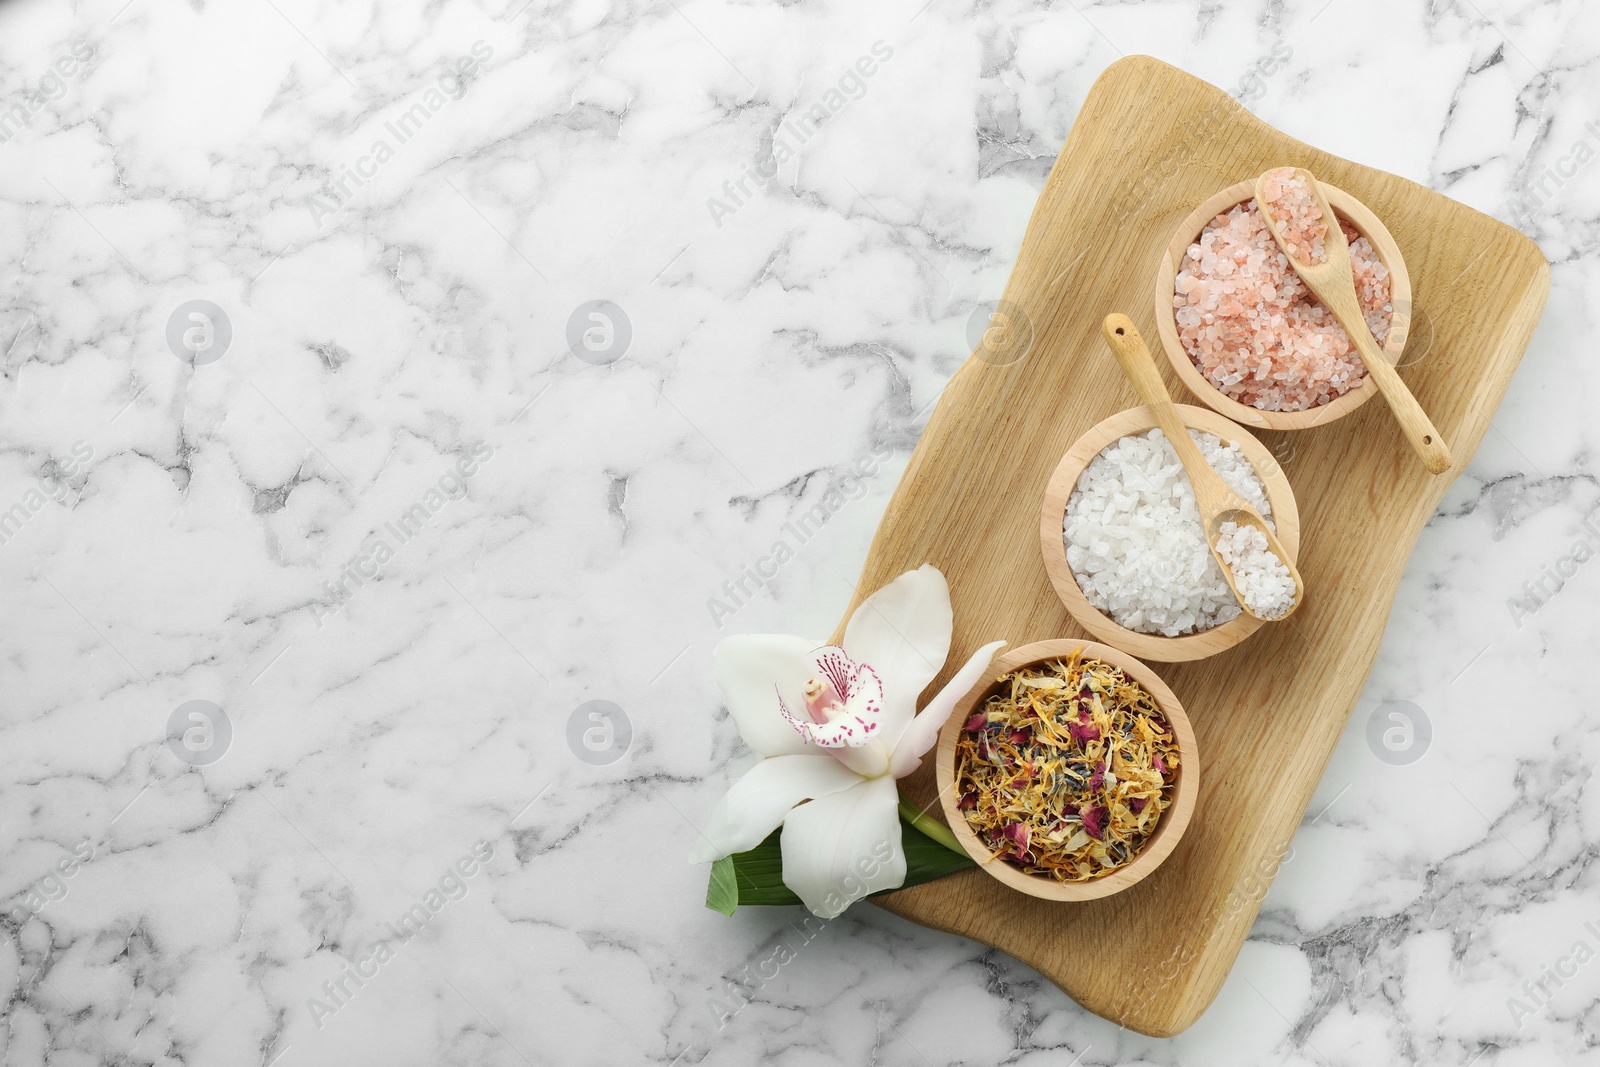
<point>1298,216</point>
<point>1262,576</point>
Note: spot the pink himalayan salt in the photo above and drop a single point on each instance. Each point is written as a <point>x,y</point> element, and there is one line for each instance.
<point>1252,327</point>
<point>1300,221</point>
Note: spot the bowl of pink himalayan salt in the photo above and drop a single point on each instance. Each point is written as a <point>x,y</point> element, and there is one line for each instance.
<point>1246,335</point>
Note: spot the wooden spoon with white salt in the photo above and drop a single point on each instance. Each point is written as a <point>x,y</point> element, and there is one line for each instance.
<point>1255,567</point>
<point>1330,279</point>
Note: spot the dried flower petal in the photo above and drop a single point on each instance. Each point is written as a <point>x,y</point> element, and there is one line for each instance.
<point>1094,821</point>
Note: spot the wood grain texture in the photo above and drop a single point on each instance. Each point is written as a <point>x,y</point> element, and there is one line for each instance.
<point>1149,144</point>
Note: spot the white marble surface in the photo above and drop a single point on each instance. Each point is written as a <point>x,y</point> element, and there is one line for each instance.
<point>179,522</point>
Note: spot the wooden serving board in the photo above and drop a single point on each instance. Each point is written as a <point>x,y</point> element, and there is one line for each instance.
<point>1268,712</point>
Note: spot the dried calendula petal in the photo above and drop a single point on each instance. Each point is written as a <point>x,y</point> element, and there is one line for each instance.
<point>1041,682</point>
<point>1066,770</point>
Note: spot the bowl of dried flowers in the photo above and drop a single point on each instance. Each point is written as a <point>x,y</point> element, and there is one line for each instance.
<point>1246,335</point>
<point>1069,772</point>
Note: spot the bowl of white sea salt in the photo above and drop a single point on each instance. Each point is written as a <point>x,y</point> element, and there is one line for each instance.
<point>1122,538</point>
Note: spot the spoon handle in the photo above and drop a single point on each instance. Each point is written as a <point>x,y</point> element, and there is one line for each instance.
<point>1211,492</point>
<point>1425,440</point>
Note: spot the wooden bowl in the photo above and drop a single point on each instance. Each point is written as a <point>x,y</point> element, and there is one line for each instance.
<point>1052,516</point>
<point>1155,848</point>
<point>1347,208</point>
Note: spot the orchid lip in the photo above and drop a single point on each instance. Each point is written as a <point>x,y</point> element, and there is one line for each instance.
<point>844,701</point>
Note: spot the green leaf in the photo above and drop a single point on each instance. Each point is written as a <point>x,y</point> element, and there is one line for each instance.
<point>756,877</point>
<point>722,892</point>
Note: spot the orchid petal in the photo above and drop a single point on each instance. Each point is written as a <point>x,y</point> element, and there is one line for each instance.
<point>924,729</point>
<point>758,802</point>
<point>844,846</point>
<point>752,670</point>
<point>903,630</point>
<point>869,761</point>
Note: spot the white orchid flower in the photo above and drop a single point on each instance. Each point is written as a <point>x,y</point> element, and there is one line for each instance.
<point>837,725</point>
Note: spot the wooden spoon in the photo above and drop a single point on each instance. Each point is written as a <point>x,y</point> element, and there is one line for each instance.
<point>1217,501</point>
<point>1333,284</point>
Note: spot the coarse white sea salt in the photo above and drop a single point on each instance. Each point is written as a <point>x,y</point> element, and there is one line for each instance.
<point>1258,574</point>
<point>1134,540</point>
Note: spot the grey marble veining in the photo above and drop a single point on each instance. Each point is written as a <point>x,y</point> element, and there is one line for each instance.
<point>399,538</point>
